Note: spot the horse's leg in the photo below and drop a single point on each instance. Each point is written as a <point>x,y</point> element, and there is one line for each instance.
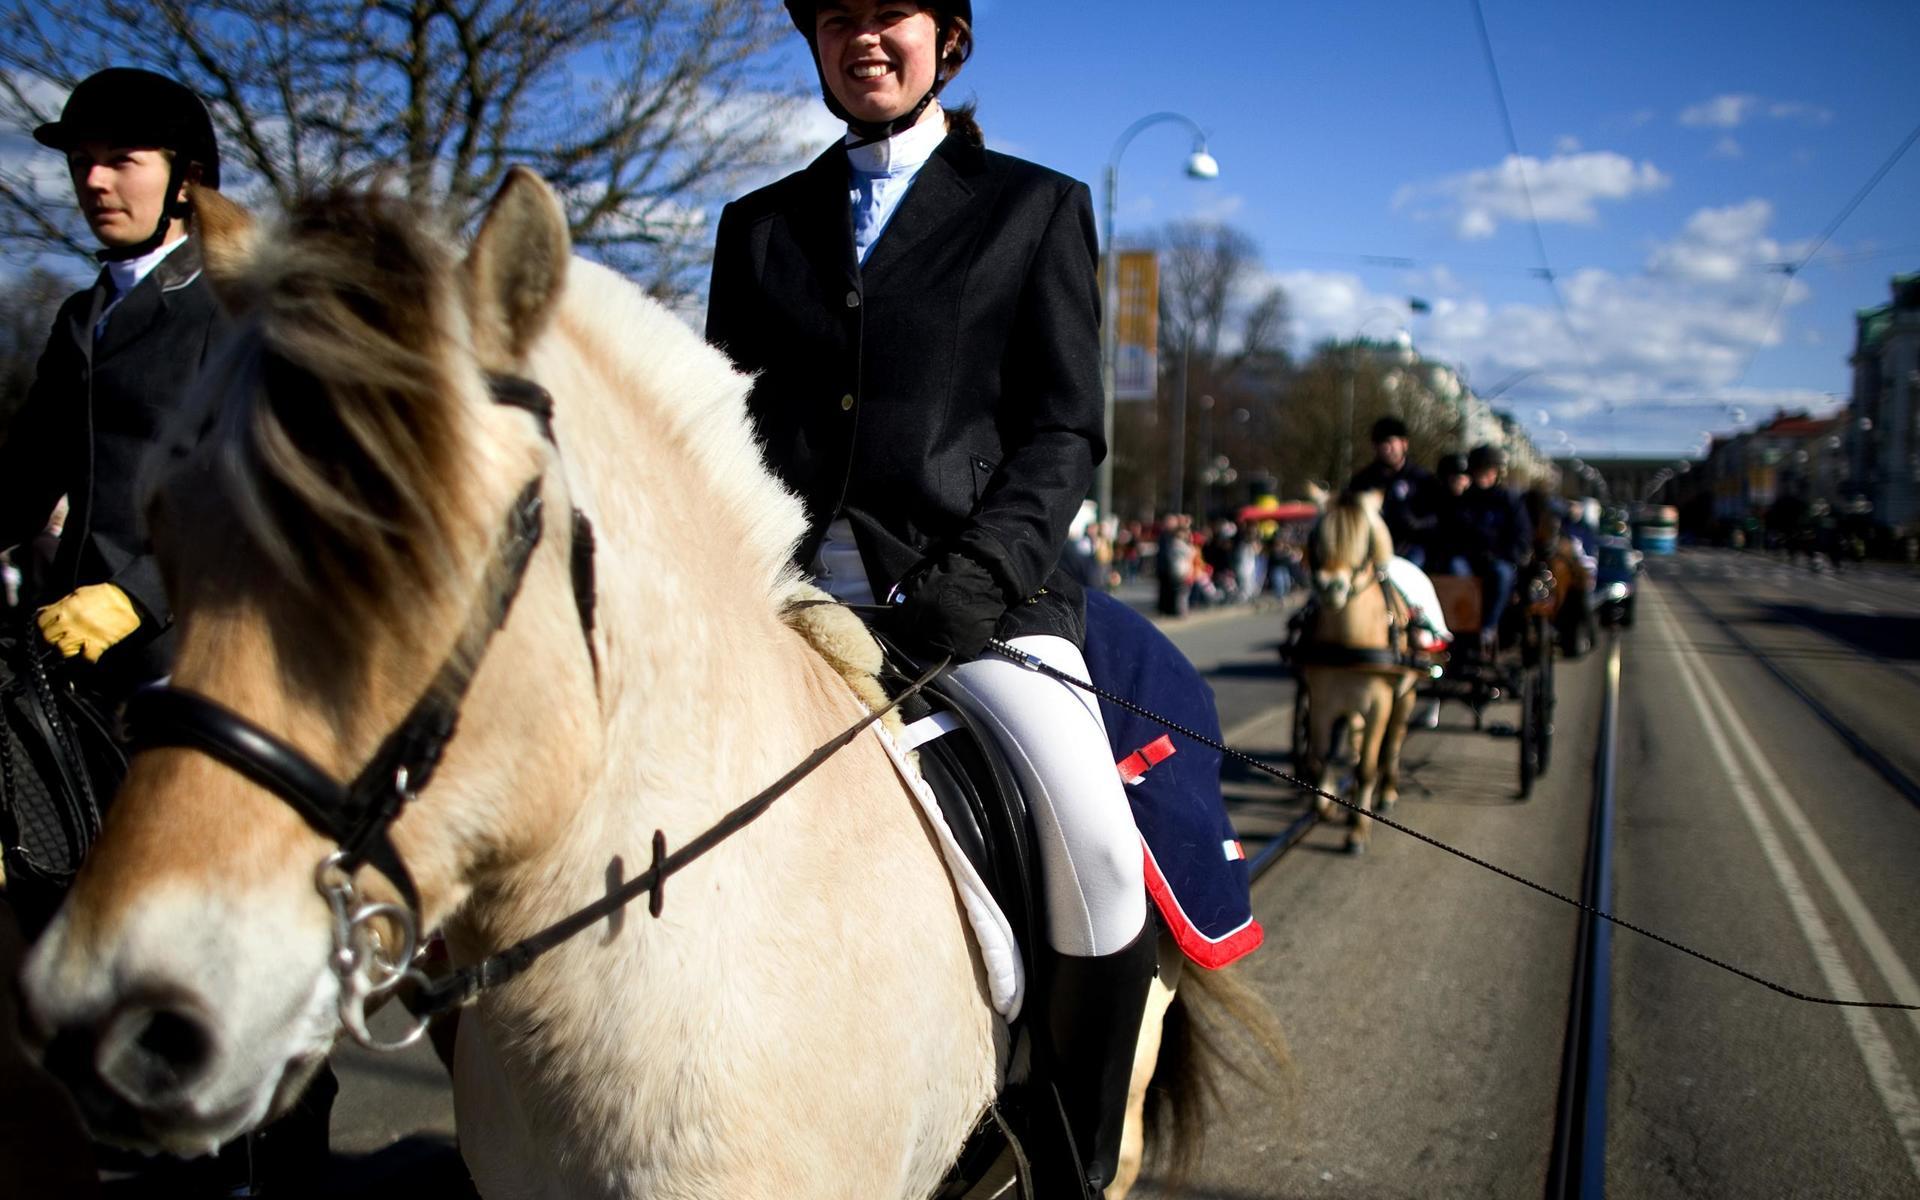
<point>1375,709</point>
<point>1146,1056</point>
<point>1321,714</point>
<point>1389,793</point>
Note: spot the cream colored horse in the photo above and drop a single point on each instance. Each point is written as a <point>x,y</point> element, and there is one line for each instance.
<point>807,1019</point>
<point>1356,611</point>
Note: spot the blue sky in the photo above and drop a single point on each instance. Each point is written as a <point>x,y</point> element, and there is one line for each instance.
<point>1676,149</point>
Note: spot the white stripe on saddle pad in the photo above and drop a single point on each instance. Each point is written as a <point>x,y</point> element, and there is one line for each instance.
<point>1006,978</point>
<point>926,729</point>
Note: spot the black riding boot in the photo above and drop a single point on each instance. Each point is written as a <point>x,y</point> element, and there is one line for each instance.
<point>1093,1018</point>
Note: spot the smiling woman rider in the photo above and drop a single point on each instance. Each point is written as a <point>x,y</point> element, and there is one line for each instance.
<point>922,317</point>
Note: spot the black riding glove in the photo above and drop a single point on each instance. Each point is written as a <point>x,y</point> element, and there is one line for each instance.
<point>947,606</point>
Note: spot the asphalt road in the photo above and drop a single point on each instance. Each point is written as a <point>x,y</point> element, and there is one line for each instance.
<point>1749,827</point>
<point>1425,999</point>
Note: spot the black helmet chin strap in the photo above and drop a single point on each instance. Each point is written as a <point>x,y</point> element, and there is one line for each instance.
<point>170,211</point>
<point>869,132</point>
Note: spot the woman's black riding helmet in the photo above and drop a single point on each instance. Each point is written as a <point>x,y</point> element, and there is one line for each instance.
<point>126,106</point>
<point>945,14</point>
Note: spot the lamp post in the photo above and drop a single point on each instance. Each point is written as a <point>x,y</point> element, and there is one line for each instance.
<point>1200,165</point>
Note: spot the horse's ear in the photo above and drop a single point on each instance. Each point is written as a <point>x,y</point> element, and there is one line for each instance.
<point>228,238</point>
<point>1371,500</point>
<point>517,267</point>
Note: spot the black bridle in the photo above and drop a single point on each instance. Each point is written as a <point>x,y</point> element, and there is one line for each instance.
<point>358,815</point>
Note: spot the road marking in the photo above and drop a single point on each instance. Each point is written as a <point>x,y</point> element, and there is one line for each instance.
<point>1239,733</point>
<point>1883,1067</point>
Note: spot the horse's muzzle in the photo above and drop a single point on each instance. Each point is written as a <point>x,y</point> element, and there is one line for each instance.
<point>137,1068</point>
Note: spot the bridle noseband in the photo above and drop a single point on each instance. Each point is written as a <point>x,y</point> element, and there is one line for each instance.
<point>357,816</point>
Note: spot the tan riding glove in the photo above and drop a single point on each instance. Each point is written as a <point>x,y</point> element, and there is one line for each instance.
<point>89,621</point>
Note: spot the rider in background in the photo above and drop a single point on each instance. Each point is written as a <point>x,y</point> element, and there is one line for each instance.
<point>1406,488</point>
<point>1495,537</point>
<point>116,367</point>
<point>921,315</point>
<point>114,377</point>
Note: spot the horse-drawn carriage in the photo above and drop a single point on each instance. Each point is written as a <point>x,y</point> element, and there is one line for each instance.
<point>1516,664</point>
<point>1374,646</point>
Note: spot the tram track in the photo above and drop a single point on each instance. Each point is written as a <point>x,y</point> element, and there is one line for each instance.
<point>1577,1166</point>
<point>1866,752</point>
<point>1577,1161</point>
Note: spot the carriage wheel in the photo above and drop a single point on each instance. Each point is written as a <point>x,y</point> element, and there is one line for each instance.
<point>1543,723</point>
<point>1529,732</point>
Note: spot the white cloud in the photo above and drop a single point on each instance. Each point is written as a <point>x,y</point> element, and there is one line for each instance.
<point>1658,353</point>
<point>1806,114</point>
<point>1722,112</point>
<point>1720,245</point>
<point>1566,143</point>
<point>1726,147</point>
<point>1735,109</point>
<point>1563,188</point>
<point>1218,207</point>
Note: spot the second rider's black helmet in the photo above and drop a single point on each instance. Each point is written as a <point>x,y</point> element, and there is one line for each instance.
<point>127,106</point>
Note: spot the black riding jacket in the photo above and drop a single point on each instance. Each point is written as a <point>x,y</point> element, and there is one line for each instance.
<point>94,412</point>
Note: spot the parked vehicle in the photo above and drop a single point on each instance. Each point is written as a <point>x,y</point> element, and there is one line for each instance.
<point>1616,575</point>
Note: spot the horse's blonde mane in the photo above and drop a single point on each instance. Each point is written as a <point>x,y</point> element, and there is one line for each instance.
<point>660,365</point>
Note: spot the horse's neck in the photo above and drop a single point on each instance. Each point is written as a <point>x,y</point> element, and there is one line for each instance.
<point>821,941</point>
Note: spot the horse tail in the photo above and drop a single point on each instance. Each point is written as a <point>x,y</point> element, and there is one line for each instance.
<point>1216,1027</point>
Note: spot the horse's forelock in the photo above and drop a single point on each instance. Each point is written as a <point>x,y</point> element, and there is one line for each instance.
<point>343,445</point>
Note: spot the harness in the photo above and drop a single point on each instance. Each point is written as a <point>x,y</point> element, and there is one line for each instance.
<point>1399,653</point>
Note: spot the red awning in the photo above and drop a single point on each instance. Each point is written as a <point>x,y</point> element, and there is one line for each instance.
<point>1298,510</point>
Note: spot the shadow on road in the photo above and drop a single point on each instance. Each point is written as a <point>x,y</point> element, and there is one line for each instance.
<point>1873,634</point>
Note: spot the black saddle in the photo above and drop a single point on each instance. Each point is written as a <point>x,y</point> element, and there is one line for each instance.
<point>987,811</point>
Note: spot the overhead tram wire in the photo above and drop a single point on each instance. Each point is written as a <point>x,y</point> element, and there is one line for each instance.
<point>1790,271</point>
<point>1545,269</point>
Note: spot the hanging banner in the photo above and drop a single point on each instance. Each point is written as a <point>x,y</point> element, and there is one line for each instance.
<point>1136,361</point>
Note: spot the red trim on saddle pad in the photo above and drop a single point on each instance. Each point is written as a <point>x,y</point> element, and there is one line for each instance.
<point>1134,767</point>
<point>1210,953</point>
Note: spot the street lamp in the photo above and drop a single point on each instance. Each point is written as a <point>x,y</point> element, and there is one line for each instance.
<point>1200,165</point>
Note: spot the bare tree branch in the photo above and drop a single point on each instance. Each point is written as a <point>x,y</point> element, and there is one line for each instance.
<point>642,112</point>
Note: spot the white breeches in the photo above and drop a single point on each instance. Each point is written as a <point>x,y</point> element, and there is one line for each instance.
<point>1090,857</point>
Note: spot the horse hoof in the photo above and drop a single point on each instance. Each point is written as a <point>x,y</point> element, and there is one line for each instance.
<point>1356,848</point>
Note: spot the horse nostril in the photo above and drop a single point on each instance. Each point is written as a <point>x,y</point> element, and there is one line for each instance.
<point>150,1055</point>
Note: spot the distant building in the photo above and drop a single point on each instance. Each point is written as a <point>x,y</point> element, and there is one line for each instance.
<point>1795,454</point>
<point>1883,450</point>
<point>1627,480</point>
